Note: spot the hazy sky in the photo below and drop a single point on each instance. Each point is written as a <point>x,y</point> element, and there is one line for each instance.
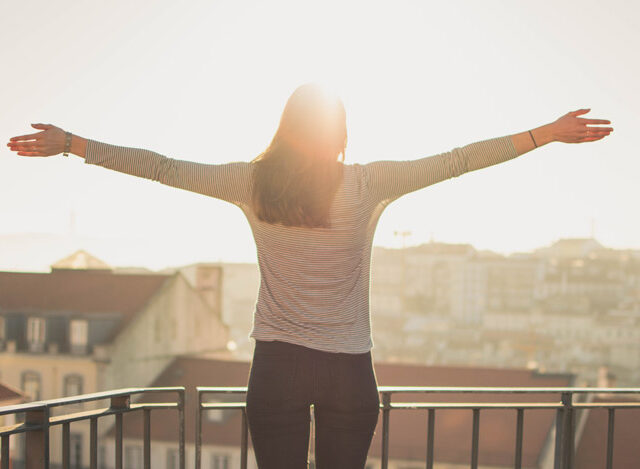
<point>207,80</point>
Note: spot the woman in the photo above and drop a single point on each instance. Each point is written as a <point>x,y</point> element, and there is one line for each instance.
<point>313,219</point>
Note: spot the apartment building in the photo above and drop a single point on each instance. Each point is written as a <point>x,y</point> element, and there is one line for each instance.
<point>84,327</point>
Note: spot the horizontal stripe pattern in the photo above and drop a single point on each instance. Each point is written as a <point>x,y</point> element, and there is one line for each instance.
<point>314,288</point>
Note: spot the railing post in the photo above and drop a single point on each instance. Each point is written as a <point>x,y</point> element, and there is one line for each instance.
<point>4,455</point>
<point>557,456</point>
<point>181,428</point>
<point>66,445</point>
<point>147,439</point>
<point>610,437</point>
<point>386,409</point>
<point>564,433</point>
<point>519,433</point>
<point>431,425</point>
<point>475,436</point>
<point>93,443</point>
<point>37,440</point>
<point>119,403</point>
<point>567,444</point>
<point>244,442</point>
<point>199,430</point>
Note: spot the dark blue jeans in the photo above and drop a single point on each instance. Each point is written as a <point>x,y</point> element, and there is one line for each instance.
<point>285,380</point>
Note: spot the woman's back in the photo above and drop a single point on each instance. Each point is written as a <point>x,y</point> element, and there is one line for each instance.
<point>314,281</point>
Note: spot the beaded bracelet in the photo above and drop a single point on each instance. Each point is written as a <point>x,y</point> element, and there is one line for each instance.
<point>67,144</point>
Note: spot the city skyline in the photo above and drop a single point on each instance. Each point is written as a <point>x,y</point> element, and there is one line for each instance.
<point>36,252</point>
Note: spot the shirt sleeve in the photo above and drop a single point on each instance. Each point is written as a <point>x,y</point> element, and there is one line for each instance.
<point>388,180</point>
<point>230,182</point>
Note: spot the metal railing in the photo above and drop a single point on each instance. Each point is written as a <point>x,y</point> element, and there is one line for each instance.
<point>565,407</point>
<point>38,421</point>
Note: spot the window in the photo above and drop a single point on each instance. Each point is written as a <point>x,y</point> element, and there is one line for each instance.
<point>75,450</point>
<point>133,457</point>
<point>220,461</point>
<point>78,335</point>
<point>72,385</point>
<point>31,385</point>
<point>36,334</point>
<point>173,458</point>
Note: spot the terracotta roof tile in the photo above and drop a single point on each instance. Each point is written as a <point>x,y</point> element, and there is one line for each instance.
<point>9,395</point>
<point>78,291</point>
<point>84,291</point>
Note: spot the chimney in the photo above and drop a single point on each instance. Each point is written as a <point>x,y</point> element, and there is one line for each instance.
<point>209,284</point>
<point>606,379</point>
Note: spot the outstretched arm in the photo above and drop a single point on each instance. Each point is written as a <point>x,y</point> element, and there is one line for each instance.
<point>388,180</point>
<point>230,181</point>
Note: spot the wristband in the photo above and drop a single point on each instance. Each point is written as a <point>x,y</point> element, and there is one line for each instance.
<point>67,144</point>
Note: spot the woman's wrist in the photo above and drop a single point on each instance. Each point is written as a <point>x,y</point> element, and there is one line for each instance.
<point>543,134</point>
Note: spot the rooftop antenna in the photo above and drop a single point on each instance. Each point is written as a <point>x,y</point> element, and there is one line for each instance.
<point>404,235</point>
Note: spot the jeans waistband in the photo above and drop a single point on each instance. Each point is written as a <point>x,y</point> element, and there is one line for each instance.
<point>277,346</point>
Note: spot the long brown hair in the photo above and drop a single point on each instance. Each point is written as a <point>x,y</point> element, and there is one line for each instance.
<point>296,177</point>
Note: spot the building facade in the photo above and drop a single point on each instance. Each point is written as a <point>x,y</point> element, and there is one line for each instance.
<point>84,328</point>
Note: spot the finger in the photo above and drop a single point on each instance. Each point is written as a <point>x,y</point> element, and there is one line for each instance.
<point>579,112</point>
<point>26,137</point>
<point>590,138</point>
<point>41,126</point>
<point>593,121</point>
<point>31,153</point>
<point>27,146</point>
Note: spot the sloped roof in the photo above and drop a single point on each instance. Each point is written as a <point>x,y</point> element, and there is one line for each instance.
<point>408,428</point>
<point>10,396</point>
<point>77,291</point>
<point>81,259</point>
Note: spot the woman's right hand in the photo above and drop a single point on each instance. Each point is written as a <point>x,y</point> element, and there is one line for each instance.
<point>573,129</point>
<point>46,143</point>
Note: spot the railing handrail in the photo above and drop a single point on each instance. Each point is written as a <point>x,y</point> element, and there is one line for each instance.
<point>96,396</point>
<point>459,389</point>
<point>510,390</point>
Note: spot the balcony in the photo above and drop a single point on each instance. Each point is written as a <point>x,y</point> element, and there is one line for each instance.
<point>35,421</point>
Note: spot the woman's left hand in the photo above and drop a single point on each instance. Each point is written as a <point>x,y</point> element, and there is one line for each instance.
<point>573,129</point>
<point>46,143</point>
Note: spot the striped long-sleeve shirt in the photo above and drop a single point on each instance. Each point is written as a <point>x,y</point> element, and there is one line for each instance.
<point>314,282</point>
